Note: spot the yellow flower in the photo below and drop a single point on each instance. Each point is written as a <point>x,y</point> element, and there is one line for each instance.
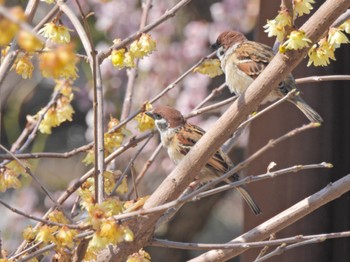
<point>141,256</point>
<point>117,58</point>
<point>58,217</point>
<point>55,33</point>
<point>64,110</point>
<point>297,40</point>
<point>89,158</point>
<point>336,37</point>
<point>277,26</point>
<point>111,231</point>
<point>143,46</point>
<point>87,198</point>
<point>97,242</point>
<point>210,67</point>
<point>29,233</point>
<point>114,139</point>
<point>144,121</point>
<point>129,60</point>
<point>59,63</point>
<point>121,59</point>
<point>110,180</point>
<point>320,54</point>
<point>112,206</point>
<point>147,44</point>
<point>345,26</point>
<point>50,120</point>
<point>57,114</point>
<point>17,168</point>
<point>9,179</point>
<point>9,29</point>
<point>65,88</point>
<point>29,42</point>
<point>45,234</point>
<point>65,237</point>
<point>24,67</point>
<point>302,7</point>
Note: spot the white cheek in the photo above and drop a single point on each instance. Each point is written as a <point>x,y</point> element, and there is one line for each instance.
<point>220,53</point>
<point>161,124</point>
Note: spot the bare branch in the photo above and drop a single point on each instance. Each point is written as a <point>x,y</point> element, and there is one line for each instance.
<point>280,221</point>
<point>41,220</point>
<point>201,246</point>
<point>312,79</point>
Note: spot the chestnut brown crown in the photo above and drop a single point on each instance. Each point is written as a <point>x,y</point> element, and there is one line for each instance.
<point>229,38</point>
<point>173,117</point>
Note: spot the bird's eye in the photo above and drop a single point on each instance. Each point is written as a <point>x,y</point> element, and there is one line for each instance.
<point>157,116</point>
<point>221,52</point>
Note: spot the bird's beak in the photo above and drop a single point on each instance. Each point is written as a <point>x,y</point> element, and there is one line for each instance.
<point>150,114</point>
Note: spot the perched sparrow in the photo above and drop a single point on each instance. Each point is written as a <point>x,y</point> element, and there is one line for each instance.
<point>242,61</point>
<point>178,137</point>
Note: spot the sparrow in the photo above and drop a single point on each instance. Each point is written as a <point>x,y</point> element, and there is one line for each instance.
<point>178,137</point>
<point>242,61</point>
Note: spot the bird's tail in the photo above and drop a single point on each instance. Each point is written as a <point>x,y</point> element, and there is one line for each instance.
<point>250,201</point>
<point>310,113</point>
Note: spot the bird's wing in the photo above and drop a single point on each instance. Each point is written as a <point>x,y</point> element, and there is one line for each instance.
<point>219,161</point>
<point>252,57</point>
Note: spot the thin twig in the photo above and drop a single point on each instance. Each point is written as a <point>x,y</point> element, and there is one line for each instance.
<point>145,168</point>
<point>312,79</point>
<point>283,248</point>
<point>342,18</point>
<point>41,220</point>
<point>250,179</point>
<point>29,172</point>
<point>214,93</point>
<point>168,14</point>
<point>131,162</point>
<point>201,246</point>
<point>17,145</point>
<point>202,110</point>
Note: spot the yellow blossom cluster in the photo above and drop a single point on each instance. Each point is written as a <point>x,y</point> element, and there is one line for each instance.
<point>112,140</point>
<point>321,53</point>
<point>9,176</point>
<point>59,62</point>
<point>107,230</point>
<point>144,46</point>
<point>296,40</point>
<point>63,236</point>
<point>57,33</point>
<point>60,112</point>
<point>144,121</point>
<point>210,67</point>
<point>8,28</point>
<point>24,66</point>
<point>302,7</point>
<point>29,42</point>
<point>278,26</point>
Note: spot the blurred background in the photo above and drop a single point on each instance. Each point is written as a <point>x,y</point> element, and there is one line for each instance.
<point>181,42</point>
